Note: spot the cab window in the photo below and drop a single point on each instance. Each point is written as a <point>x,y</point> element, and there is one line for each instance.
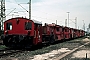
<point>57,29</point>
<point>9,26</point>
<point>28,25</point>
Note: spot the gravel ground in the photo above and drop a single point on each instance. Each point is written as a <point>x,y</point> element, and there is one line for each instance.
<point>81,54</point>
<point>49,52</point>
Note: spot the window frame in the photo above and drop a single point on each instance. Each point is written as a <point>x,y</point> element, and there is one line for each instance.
<point>28,25</point>
<point>8,25</point>
<point>57,29</point>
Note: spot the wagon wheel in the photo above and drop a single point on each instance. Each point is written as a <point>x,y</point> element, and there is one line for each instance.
<point>52,40</point>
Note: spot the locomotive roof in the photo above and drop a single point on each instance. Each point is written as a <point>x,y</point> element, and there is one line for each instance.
<point>37,22</point>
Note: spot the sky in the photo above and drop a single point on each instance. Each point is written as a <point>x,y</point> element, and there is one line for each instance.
<point>48,11</point>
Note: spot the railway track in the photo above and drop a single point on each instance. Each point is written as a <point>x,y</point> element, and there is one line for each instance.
<point>57,54</point>
<point>6,52</point>
<point>73,46</point>
<point>70,52</point>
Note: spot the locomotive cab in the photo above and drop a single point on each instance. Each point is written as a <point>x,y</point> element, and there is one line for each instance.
<point>21,32</point>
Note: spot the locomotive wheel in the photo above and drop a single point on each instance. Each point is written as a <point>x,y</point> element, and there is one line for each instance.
<point>5,42</point>
<point>52,40</point>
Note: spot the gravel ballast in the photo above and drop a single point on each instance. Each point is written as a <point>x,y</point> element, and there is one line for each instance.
<point>48,52</point>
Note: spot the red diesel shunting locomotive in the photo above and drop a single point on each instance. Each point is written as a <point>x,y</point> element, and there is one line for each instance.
<point>22,32</point>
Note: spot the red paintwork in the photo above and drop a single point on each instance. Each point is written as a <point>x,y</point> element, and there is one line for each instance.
<point>19,29</point>
<point>58,32</point>
<point>82,33</point>
<point>78,33</point>
<point>37,34</point>
<point>48,31</point>
<point>71,33</point>
<point>66,33</point>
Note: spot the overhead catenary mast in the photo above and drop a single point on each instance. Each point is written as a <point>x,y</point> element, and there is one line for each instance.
<point>68,18</point>
<point>66,22</point>
<point>2,13</point>
<point>29,9</point>
<point>76,22</point>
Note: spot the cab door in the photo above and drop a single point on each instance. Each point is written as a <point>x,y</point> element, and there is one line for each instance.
<point>37,34</point>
